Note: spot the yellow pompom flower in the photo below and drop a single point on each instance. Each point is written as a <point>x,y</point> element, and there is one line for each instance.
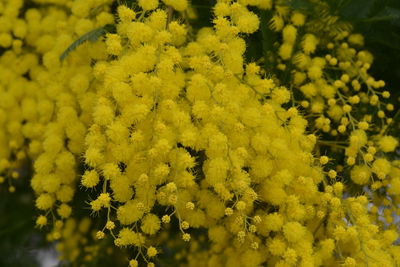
<point>293,231</point>
<point>276,246</point>
<point>113,43</point>
<point>151,251</point>
<point>360,174</point>
<point>323,160</point>
<point>125,14</point>
<point>248,23</point>
<point>298,19</point>
<point>381,167</point>
<point>90,179</point>
<point>133,263</point>
<point>128,237</point>
<point>285,51</point>
<point>150,224</point>
<point>309,43</point>
<point>388,143</point>
<point>179,5</point>
<point>349,262</point>
<point>41,221</point>
<point>64,210</point>
<point>148,4</point>
<point>186,237</point>
<point>356,39</point>
<point>273,222</point>
<point>45,201</point>
<point>289,34</point>
<point>104,199</point>
<point>129,212</point>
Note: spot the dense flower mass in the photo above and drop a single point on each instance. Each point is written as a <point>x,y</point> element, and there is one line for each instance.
<point>166,137</point>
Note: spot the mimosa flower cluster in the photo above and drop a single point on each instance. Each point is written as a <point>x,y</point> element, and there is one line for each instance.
<point>157,135</point>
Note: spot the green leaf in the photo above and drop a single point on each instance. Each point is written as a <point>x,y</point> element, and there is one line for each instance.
<point>302,5</point>
<point>394,127</point>
<point>387,14</point>
<point>268,38</point>
<point>91,36</point>
<point>356,9</point>
<point>337,5</point>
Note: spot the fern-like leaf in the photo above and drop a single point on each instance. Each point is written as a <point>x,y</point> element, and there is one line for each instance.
<point>91,36</point>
